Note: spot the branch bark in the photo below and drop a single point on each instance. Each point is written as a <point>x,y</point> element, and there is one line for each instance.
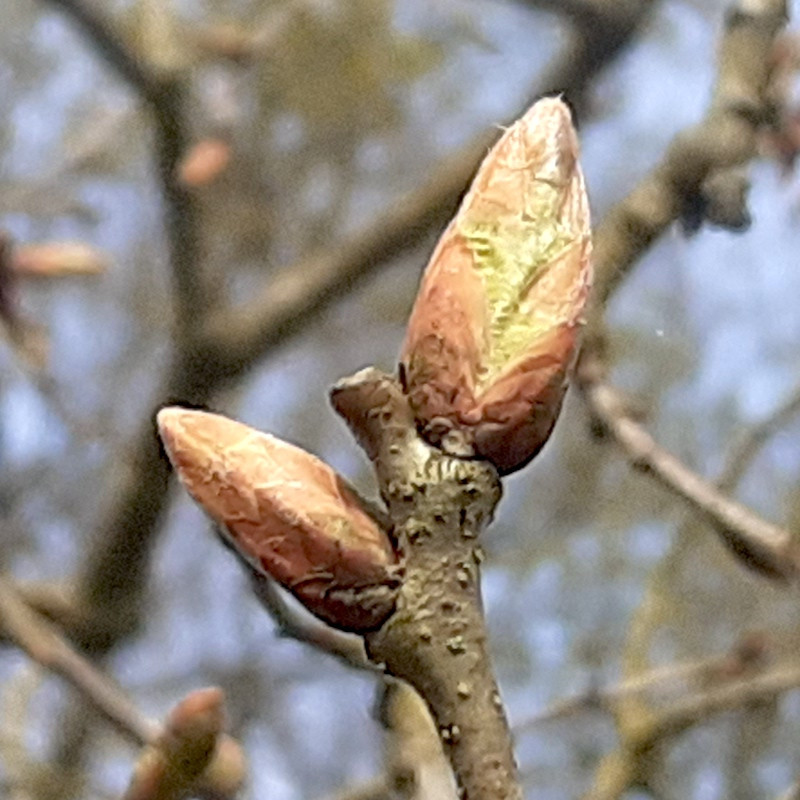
<point>436,638</point>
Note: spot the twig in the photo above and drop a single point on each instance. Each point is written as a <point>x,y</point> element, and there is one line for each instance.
<point>760,544</point>
<point>699,708</point>
<point>436,638</point>
<point>40,640</point>
<point>118,562</point>
<point>725,139</point>
<point>745,449</point>
<point>747,656</point>
<point>293,624</point>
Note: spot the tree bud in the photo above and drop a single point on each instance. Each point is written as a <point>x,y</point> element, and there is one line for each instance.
<point>288,514</point>
<point>493,332</point>
<point>204,162</point>
<point>191,756</point>
<point>58,259</point>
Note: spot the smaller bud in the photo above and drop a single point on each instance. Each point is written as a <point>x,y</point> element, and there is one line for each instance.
<point>204,162</point>
<point>57,259</point>
<point>494,329</point>
<point>189,752</point>
<point>200,716</point>
<point>288,514</point>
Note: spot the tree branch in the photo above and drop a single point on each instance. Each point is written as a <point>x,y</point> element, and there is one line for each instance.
<point>165,93</point>
<point>699,708</point>
<point>761,545</point>
<point>44,645</point>
<point>436,638</point>
<point>35,636</point>
<point>745,449</point>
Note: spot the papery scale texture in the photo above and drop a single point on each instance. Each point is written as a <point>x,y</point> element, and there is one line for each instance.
<point>493,331</point>
<point>287,513</point>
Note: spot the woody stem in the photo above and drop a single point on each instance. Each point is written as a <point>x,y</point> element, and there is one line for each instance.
<point>436,637</point>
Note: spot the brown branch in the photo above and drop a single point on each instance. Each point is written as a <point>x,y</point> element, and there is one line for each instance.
<point>436,638</point>
<point>165,92</point>
<point>39,639</point>
<point>631,762</point>
<point>724,140</point>
<point>698,709</point>
<point>602,29</point>
<point>761,545</point>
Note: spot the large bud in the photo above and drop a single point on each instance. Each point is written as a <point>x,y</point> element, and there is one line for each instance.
<point>494,329</point>
<point>288,514</point>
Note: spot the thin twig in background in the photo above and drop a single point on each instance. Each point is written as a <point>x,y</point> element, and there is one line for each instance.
<point>300,625</point>
<point>21,625</point>
<point>165,93</point>
<point>39,639</point>
<point>746,448</point>
<point>761,545</point>
<point>749,656</point>
<point>701,707</point>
